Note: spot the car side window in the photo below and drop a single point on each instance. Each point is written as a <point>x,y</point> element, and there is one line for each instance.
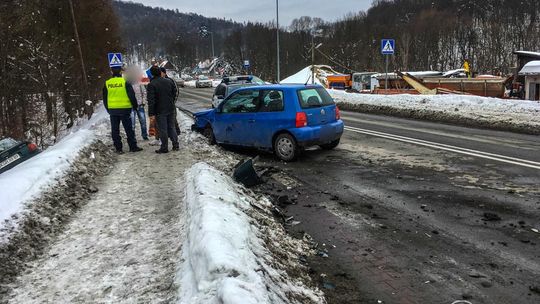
<point>246,101</point>
<point>272,101</point>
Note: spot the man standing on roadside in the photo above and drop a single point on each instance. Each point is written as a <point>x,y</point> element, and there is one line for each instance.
<point>161,98</point>
<point>176,93</point>
<point>119,100</point>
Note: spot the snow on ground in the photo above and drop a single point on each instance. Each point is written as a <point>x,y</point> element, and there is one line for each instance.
<point>122,246</point>
<point>490,110</point>
<point>27,180</point>
<point>225,259</point>
<point>126,242</point>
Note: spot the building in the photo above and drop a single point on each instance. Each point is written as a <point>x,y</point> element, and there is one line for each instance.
<point>531,74</point>
<point>523,57</point>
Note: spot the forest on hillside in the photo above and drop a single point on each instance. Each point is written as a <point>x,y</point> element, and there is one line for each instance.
<point>41,72</point>
<point>44,90</point>
<point>430,35</point>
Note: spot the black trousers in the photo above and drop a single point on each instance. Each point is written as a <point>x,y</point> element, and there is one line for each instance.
<point>125,119</point>
<point>166,125</point>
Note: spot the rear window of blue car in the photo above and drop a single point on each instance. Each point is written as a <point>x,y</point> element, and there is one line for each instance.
<point>314,98</point>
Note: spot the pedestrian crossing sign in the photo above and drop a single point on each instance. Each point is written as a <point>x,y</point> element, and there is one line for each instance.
<point>115,60</point>
<point>388,46</point>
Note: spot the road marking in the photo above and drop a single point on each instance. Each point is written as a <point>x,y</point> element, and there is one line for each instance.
<point>470,152</point>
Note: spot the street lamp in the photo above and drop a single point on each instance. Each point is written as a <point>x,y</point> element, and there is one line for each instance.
<point>313,60</point>
<point>313,48</point>
<point>204,31</point>
<point>277,38</point>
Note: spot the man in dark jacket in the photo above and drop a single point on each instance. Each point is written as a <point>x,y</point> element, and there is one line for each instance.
<point>176,93</point>
<point>119,100</point>
<point>161,98</point>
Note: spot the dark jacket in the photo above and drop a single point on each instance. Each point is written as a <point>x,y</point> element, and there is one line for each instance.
<point>175,87</point>
<point>161,95</point>
<point>131,95</point>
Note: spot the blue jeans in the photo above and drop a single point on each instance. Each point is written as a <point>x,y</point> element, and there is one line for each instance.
<point>142,120</point>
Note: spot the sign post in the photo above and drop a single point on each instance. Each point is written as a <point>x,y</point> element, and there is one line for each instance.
<point>246,66</point>
<point>388,47</point>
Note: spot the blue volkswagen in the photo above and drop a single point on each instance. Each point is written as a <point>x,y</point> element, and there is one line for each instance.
<point>280,118</point>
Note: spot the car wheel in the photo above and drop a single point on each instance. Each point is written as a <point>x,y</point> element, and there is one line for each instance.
<point>209,134</point>
<point>285,147</point>
<point>330,145</point>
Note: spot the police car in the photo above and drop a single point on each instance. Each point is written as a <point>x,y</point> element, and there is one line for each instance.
<point>231,84</point>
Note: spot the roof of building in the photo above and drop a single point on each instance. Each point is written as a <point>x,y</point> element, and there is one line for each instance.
<point>531,68</point>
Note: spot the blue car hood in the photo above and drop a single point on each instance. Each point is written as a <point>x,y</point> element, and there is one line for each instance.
<point>203,118</point>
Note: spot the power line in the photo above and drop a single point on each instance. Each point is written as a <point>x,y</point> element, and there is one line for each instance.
<point>335,62</point>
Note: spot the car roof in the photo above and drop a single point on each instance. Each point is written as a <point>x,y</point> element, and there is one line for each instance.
<point>284,87</point>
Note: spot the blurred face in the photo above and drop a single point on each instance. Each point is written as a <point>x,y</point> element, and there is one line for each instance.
<point>133,74</point>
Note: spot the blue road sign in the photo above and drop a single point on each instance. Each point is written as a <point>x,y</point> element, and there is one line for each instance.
<point>246,64</point>
<point>115,60</point>
<point>388,46</point>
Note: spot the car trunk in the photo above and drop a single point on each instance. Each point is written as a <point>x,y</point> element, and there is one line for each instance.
<point>320,115</point>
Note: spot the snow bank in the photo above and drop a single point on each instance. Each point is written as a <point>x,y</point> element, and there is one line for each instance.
<point>304,75</point>
<point>27,180</point>
<point>225,259</point>
<point>513,115</point>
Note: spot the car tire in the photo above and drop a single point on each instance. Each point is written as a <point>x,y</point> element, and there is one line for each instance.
<point>209,134</point>
<point>331,145</point>
<point>285,147</point>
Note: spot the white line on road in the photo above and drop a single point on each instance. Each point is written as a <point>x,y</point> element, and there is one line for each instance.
<point>476,153</point>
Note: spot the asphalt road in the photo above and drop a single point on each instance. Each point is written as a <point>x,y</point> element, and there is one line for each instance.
<point>406,211</point>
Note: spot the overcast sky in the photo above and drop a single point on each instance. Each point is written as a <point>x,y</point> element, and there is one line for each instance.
<point>264,10</point>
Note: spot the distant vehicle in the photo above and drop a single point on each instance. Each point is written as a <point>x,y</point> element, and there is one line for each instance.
<point>232,83</point>
<point>339,81</point>
<point>280,118</point>
<point>14,152</point>
<point>180,82</point>
<point>364,81</point>
<point>203,82</point>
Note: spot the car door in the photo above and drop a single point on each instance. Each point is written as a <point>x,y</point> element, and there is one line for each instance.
<point>270,118</point>
<point>235,115</point>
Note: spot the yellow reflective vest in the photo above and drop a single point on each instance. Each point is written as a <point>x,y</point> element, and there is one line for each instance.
<point>117,97</point>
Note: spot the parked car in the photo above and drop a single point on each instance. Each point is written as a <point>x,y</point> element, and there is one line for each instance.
<point>14,152</point>
<point>232,83</point>
<point>180,82</point>
<point>203,82</point>
<point>284,119</point>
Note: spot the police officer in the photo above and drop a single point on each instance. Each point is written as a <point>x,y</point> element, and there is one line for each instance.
<point>119,100</point>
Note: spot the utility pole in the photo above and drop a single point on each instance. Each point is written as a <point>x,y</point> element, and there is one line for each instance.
<point>212,38</point>
<point>277,36</point>
<point>76,31</point>
<point>312,58</point>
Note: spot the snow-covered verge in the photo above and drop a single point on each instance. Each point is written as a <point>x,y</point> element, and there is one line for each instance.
<point>475,111</point>
<point>37,197</point>
<point>28,179</point>
<point>232,247</point>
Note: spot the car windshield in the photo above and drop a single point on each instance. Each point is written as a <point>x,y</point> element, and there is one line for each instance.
<point>257,80</point>
<point>203,78</point>
<point>314,98</point>
<point>234,87</point>
<point>7,143</point>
